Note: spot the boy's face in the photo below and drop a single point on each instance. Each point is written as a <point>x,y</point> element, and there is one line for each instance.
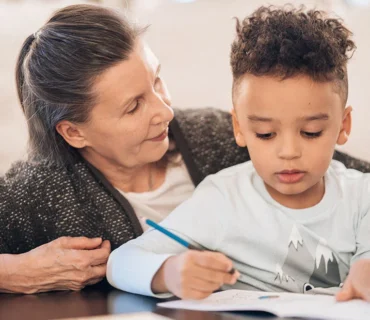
<point>290,128</point>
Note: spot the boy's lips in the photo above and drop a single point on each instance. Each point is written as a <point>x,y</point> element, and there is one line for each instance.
<point>290,176</point>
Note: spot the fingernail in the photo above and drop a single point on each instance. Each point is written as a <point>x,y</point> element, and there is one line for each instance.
<point>235,277</point>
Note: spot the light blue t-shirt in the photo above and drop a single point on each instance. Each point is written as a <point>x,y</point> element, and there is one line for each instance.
<point>273,247</point>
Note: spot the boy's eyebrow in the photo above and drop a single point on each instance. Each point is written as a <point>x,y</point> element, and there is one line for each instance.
<point>261,119</point>
<point>319,116</point>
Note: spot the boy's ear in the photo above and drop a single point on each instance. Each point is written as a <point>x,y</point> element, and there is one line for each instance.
<point>346,126</point>
<point>71,133</point>
<point>239,138</point>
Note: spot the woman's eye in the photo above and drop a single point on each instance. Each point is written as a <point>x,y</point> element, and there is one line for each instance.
<point>265,136</point>
<point>311,135</point>
<point>135,107</point>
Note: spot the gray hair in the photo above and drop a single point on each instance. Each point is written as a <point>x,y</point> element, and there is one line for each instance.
<point>56,69</point>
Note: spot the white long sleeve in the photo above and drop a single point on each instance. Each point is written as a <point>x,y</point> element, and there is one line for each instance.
<point>273,247</point>
<point>132,266</point>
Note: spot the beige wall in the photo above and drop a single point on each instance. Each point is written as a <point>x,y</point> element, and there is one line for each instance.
<point>192,41</point>
<point>18,19</point>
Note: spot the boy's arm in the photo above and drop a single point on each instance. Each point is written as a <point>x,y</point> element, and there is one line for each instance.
<point>132,266</point>
<point>357,284</point>
<point>201,220</point>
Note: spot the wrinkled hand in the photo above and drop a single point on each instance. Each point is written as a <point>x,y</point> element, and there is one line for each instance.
<point>194,274</point>
<point>64,264</point>
<point>357,284</point>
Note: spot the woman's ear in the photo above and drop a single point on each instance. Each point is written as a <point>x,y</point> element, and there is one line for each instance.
<point>71,133</point>
<point>239,138</point>
<point>346,126</point>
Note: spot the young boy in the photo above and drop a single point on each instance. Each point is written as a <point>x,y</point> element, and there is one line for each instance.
<point>291,219</point>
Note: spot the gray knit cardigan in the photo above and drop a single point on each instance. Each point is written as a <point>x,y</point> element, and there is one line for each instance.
<point>40,202</point>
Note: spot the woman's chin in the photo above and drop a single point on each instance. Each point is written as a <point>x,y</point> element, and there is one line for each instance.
<point>159,152</point>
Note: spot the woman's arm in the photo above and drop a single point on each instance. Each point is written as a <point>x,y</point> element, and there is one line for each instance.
<point>63,264</point>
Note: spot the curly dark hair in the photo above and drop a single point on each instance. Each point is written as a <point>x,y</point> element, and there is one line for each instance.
<point>285,42</point>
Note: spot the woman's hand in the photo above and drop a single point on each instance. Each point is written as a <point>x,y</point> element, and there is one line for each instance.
<point>357,284</point>
<point>64,264</point>
<point>194,274</point>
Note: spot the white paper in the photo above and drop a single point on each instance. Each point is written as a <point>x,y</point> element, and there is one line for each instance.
<point>286,305</point>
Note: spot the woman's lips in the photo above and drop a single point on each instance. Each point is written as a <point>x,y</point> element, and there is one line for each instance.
<point>290,176</point>
<point>161,136</point>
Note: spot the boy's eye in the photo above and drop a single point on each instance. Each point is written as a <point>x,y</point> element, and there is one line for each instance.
<point>311,135</point>
<point>265,136</point>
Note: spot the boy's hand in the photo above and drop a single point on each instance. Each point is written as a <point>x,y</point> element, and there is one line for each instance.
<point>357,284</point>
<point>194,274</point>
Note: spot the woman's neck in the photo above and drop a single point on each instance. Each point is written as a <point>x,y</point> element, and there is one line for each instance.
<point>144,178</point>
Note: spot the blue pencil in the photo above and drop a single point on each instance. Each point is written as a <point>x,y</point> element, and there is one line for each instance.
<point>176,238</point>
<point>268,297</point>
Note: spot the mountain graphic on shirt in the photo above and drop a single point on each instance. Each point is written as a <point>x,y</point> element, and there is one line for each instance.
<point>326,272</point>
<point>298,264</point>
<point>281,276</point>
<point>295,238</point>
<point>301,270</point>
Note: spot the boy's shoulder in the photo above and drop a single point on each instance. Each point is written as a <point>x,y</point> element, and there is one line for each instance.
<point>236,176</point>
<point>353,184</point>
<point>342,172</point>
<point>233,171</point>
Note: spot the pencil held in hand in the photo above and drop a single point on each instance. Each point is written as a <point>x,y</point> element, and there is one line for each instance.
<point>178,239</point>
<point>196,274</point>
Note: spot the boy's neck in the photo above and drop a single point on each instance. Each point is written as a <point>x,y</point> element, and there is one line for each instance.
<point>306,199</point>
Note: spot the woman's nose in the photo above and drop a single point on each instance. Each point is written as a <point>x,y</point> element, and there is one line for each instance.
<point>164,93</point>
<point>163,112</point>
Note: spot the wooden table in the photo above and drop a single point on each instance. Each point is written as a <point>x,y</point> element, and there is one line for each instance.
<point>95,301</point>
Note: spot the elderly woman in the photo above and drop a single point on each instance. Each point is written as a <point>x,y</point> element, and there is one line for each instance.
<point>105,151</point>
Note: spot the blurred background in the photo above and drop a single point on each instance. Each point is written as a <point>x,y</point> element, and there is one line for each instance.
<point>192,40</point>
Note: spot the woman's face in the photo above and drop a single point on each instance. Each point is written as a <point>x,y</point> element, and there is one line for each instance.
<point>128,126</point>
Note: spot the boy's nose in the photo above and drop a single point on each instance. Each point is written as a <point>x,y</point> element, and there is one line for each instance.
<point>289,149</point>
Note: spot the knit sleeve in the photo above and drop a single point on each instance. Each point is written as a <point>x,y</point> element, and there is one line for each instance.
<point>205,136</point>
<point>4,201</point>
<point>40,202</point>
<point>20,212</point>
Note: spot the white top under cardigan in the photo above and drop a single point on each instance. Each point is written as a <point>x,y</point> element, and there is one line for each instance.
<point>157,204</point>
